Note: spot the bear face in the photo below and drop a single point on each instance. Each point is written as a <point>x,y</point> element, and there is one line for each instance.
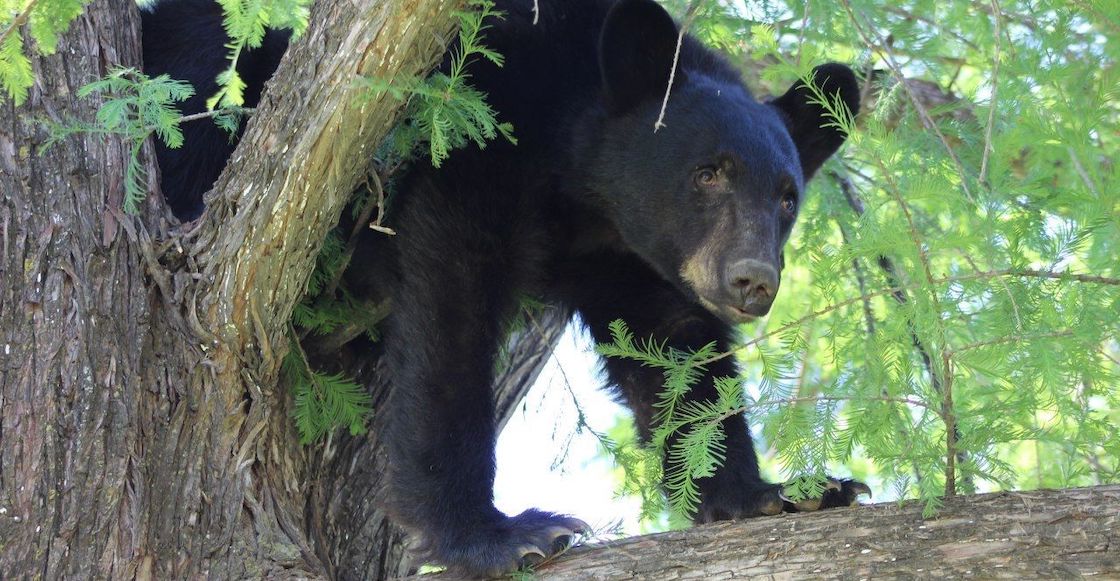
<point>725,169</point>
<point>725,172</point>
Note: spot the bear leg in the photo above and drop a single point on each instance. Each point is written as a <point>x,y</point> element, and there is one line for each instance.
<point>459,269</point>
<point>618,286</point>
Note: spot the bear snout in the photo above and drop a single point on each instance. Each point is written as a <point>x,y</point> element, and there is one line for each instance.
<point>751,286</point>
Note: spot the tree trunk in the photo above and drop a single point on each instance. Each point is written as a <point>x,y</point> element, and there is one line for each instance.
<point>1044,534</point>
<point>142,433</point>
<point>76,317</point>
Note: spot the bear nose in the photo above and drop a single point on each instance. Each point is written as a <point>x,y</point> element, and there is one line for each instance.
<point>754,281</point>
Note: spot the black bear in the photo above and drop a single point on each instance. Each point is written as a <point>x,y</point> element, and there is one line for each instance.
<point>679,232</point>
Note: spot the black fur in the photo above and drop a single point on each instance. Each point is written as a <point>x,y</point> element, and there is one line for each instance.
<point>678,232</point>
<point>185,39</point>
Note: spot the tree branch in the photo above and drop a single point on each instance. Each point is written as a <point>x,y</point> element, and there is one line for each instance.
<point>1009,535</point>
<point>303,153</point>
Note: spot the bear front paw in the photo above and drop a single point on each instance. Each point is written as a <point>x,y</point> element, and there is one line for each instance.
<point>836,493</point>
<point>503,546</point>
<point>771,499</point>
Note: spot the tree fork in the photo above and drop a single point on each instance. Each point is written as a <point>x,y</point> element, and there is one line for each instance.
<point>141,432</point>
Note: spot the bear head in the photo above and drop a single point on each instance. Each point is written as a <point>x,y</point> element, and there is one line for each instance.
<point>709,198</point>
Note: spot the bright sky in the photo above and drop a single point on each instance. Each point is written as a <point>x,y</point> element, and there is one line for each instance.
<point>533,471</point>
<point>534,441</point>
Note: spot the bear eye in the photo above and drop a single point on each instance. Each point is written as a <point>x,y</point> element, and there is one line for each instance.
<point>789,204</point>
<point>705,177</point>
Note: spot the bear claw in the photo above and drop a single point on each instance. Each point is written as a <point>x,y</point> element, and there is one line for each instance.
<point>530,555</point>
<point>773,505</point>
<point>810,504</point>
<point>773,499</point>
<point>562,532</point>
<point>553,540</point>
<point>506,544</point>
<point>860,488</point>
<point>836,493</point>
<point>527,550</point>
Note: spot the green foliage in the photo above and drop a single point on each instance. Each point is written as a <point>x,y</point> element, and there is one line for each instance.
<point>949,314</point>
<point>43,21</point>
<point>526,573</point>
<point>134,107</point>
<point>323,402</point>
<point>444,111</point>
<point>689,434</point>
<point>327,305</point>
<point>15,67</point>
<point>529,309</point>
<point>639,465</point>
<point>246,22</point>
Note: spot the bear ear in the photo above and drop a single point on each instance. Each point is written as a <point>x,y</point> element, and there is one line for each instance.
<point>636,51</point>
<point>808,123</point>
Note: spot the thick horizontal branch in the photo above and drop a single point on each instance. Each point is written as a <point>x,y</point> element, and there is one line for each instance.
<point>1012,535</point>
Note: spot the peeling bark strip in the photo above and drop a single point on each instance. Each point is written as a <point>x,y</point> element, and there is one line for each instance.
<point>1046,534</point>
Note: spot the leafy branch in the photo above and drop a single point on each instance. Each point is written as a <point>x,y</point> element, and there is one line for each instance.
<point>246,23</point>
<point>1013,273</point>
<point>323,402</point>
<point>135,107</point>
<point>45,21</point>
<point>444,110</point>
<point>690,433</point>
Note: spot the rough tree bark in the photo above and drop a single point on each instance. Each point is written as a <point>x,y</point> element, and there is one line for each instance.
<point>1045,534</point>
<point>142,431</point>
